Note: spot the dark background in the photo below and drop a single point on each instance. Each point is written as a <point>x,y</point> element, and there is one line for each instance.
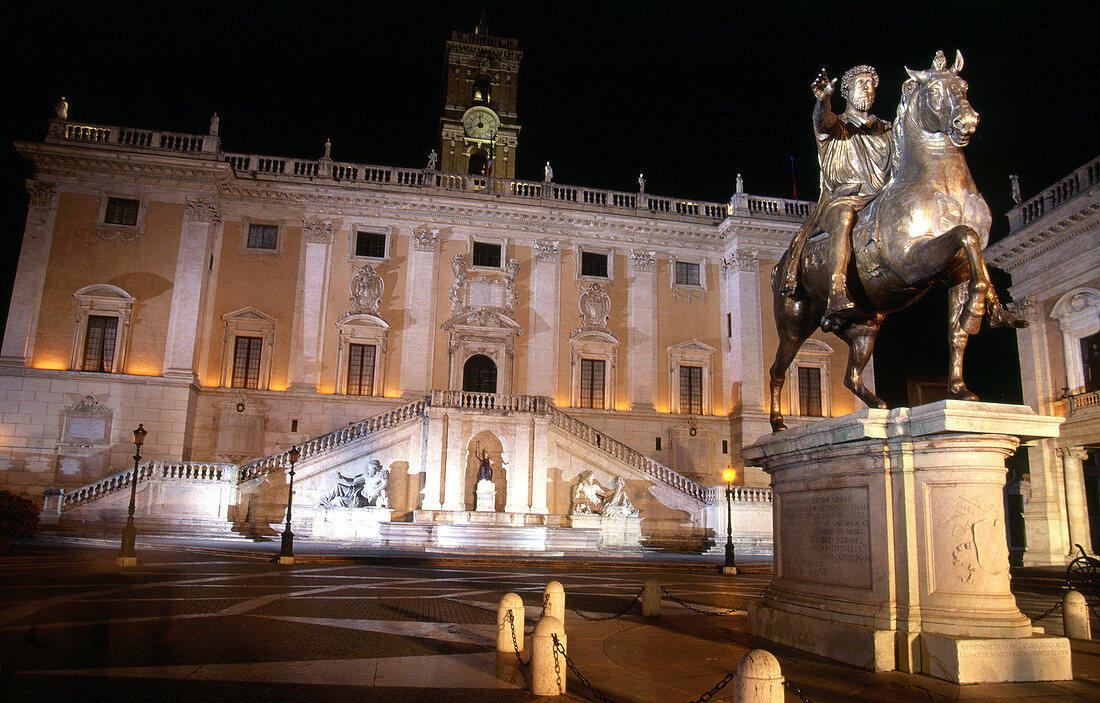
<point>688,93</point>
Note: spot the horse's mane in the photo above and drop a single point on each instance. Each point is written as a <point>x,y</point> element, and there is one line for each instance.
<point>897,133</point>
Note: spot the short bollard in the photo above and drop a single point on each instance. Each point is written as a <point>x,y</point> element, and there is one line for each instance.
<point>1075,616</point>
<point>548,667</point>
<point>651,599</point>
<point>554,600</point>
<point>758,679</point>
<point>510,631</point>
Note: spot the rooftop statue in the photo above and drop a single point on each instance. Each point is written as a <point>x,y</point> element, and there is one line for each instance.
<point>900,212</point>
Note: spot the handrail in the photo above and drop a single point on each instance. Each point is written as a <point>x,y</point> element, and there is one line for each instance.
<point>625,454</point>
<point>335,439</point>
<point>268,167</point>
<point>167,470</point>
<point>502,402</point>
<point>741,494</point>
<point>1056,195</point>
<point>1084,400</point>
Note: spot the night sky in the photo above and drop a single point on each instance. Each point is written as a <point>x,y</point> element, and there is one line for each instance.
<point>689,93</point>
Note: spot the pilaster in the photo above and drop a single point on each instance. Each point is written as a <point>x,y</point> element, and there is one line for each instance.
<point>30,276</point>
<point>418,345</point>
<point>453,467</point>
<point>520,471</point>
<point>539,465</point>
<point>313,278</point>
<point>741,293</point>
<point>542,345</point>
<point>200,220</point>
<point>641,352</point>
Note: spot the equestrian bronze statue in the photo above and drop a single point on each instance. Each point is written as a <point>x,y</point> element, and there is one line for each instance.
<point>898,212</point>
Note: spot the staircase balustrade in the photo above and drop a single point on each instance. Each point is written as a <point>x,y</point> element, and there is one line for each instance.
<point>335,439</point>
<point>625,454</point>
<point>163,470</point>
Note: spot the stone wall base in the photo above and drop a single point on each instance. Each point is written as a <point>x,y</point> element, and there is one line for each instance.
<point>963,660</point>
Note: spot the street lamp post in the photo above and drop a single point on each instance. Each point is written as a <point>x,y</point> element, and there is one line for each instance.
<point>286,554</point>
<point>126,555</point>
<point>730,565</point>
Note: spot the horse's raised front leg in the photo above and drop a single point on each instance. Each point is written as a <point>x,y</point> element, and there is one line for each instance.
<point>861,343</point>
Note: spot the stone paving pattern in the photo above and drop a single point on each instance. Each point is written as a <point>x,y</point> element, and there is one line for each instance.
<point>200,624</point>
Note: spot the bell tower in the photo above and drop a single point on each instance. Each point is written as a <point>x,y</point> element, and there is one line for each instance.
<point>478,129</point>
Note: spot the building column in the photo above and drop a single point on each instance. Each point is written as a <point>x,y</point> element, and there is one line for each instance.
<point>541,453</point>
<point>520,471</point>
<point>30,277</point>
<point>313,278</point>
<point>542,344</point>
<point>417,334</point>
<point>1077,512</point>
<point>434,459</point>
<point>641,353</point>
<point>1045,526</point>
<point>454,486</point>
<point>200,219</point>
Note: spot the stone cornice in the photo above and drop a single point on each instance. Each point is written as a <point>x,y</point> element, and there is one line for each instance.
<point>1047,233</point>
<point>74,162</point>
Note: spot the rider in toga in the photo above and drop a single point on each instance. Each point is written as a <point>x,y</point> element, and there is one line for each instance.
<point>853,150</point>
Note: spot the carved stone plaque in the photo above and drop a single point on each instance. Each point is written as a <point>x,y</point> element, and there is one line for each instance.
<point>826,536</point>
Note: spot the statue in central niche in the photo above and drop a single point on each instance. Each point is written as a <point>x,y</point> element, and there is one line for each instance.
<point>898,212</point>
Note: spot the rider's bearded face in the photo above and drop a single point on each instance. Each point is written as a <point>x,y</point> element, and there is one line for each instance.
<point>861,94</point>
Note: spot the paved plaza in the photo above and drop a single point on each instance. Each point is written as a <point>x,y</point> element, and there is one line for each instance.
<point>221,622</point>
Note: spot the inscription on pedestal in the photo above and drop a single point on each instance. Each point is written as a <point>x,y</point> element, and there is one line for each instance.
<point>826,536</point>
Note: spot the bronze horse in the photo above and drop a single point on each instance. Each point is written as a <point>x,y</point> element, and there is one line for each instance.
<point>928,224</point>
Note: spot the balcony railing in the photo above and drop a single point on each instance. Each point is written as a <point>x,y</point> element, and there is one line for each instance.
<point>1084,400</point>
<point>280,168</point>
<point>1057,195</point>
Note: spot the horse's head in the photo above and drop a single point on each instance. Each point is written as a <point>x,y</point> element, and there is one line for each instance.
<point>938,98</point>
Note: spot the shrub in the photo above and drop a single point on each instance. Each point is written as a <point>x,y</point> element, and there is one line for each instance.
<point>18,516</point>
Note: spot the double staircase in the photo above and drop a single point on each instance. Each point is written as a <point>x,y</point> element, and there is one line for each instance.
<point>224,482</point>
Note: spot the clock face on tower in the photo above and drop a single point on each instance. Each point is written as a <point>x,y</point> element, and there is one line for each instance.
<point>480,123</point>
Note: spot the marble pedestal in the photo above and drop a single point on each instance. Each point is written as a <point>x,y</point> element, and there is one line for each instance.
<point>486,497</point>
<point>357,524</point>
<point>890,549</point>
<point>620,533</point>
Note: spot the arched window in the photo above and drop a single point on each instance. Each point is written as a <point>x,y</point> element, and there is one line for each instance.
<point>479,375</point>
<point>479,162</point>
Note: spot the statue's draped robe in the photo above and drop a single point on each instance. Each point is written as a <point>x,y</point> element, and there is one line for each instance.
<point>854,156</point>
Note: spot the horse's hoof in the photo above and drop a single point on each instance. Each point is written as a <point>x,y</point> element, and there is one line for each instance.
<point>778,425</point>
<point>963,393</point>
<point>1000,317</point>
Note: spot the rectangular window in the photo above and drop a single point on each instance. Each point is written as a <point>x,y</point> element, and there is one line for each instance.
<point>360,369</point>
<point>691,390</point>
<point>658,443</point>
<point>1090,356</point>
<point>246,362</point>
<point>729,325</point>
<point>99,344</point>
<point>809,391</point>
<point>370,244</point>
<point>687,274</point>
<point>485,254</point>
<point>592,376</point>
<point>121,211</point>
<point>593,264</point>
<point>263,237</point>
<point>725,446</point>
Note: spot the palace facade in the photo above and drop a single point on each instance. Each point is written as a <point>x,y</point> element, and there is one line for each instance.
<point>240,304</point>
<point>1052,255</point>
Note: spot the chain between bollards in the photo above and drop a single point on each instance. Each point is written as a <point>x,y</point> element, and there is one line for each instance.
<point>515,643</point>
<point>1052,608</point>
<point>604,699</point>
<point>795,691</point>
<point>619,614</point>
<point>697,610</point>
